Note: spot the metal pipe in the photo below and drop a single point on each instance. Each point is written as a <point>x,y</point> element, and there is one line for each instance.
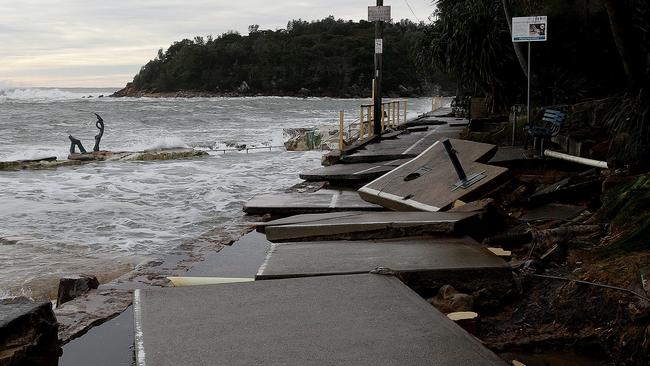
<point>454,159</point>
<point>379,37</point>
<point>576,159</point>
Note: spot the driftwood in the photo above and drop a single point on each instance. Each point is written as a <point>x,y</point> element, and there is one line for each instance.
<point>76,143</point>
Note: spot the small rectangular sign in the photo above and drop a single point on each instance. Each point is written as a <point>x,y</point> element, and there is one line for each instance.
<point>529,29</point>
<point>379,46</point>
<point>379,13</point>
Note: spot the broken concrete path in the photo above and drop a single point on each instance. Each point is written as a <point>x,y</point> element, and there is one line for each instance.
<point>364,320</point>
<point>286,204</point>
<point>364,225</point>
<point>351,173</point>
<point>425,258</point>
<point>426,183</point>
<point>406,146</point>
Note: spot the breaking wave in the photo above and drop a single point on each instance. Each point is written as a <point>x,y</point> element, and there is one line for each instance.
<point>47,94</point>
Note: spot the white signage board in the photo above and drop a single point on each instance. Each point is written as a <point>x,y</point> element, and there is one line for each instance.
<point>529,29</point>
<point>379,13</point>
<point>379,46</point>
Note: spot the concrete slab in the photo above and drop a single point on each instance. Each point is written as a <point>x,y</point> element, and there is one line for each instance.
<point>358,320</point>
<point>424,259</point>
<point>426,183</point>
<point>552,211</point>
<point>364,225</point>
<point>507,154</point>
<point>439,120</point>
<point>351,173</point>
<point>406,146</point>
<point>303,203</point>
<point>241,259</point>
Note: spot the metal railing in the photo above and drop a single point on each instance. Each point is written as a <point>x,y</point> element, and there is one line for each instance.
<point>393,115</point>
<point>436,103</point>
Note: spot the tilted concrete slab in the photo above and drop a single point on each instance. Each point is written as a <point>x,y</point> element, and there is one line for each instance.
<point>352,173</point>
<point>426,183</point>
<point>303,203</point>
<point>423,263</point>
<point>362,320</point>
<point>364,225</point>
<point>406,146</point>
<point>439,120</point>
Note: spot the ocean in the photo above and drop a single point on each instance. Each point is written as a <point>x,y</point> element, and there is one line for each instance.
<point>104,218</point>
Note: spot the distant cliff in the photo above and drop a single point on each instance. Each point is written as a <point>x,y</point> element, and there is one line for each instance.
<point>321,58</point>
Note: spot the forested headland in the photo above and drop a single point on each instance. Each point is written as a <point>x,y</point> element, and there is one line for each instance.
<point>326,57</point>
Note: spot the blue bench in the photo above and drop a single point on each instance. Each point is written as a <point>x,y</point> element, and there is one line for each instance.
<point>552,123</point>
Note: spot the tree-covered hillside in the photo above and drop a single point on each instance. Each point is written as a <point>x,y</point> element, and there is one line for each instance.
<point>327,57</point>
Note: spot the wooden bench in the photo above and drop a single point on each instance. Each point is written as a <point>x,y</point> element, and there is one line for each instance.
<point>551,124</point>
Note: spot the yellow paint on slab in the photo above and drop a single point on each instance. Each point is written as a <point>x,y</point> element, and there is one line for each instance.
<point>462,315</point>
<point>458,203</point>
<point>500,252</point>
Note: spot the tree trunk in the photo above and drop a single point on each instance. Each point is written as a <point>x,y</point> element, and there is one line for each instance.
<point>619,21</point>
<point>516,45</point>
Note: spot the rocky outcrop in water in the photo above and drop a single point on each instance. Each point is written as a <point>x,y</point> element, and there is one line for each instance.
<point>162,154</point>
<point>73,286</point>
<point>45,163</point>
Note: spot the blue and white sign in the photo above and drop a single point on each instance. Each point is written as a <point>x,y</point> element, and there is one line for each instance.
<point>529,29</point>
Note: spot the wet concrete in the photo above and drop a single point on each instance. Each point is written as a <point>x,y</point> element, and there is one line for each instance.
<point>424,257</point>
<point>335,320</point>
<point>427,182</point>
<point>363,225</point>
<point>242,259</point>
<point>110,344</point>
<point>351,173</point>
<point>285,204</point>
<point>552,211</point>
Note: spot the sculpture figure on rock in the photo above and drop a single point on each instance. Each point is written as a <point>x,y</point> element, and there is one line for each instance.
<point>74,142</point>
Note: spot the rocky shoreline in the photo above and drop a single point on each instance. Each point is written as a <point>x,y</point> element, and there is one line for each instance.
<point>131,91</point>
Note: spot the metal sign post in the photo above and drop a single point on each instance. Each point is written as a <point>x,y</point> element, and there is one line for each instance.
<point>378,14</point>
<point>529,29</point>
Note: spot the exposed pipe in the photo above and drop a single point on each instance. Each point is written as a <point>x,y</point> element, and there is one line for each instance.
<point>576,159</point>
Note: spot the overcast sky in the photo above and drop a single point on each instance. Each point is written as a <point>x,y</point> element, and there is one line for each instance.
<point>92,43</point>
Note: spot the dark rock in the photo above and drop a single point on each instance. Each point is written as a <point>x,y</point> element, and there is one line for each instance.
<point>244,88</point>
<point>448,300</point>
<point>330,158</point>
<point>128,91</point>
<point>74,286</point>
<point>79,315</point>
<point>28,333</point>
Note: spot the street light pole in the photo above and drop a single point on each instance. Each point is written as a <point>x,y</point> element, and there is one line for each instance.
<point>379,45</point>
